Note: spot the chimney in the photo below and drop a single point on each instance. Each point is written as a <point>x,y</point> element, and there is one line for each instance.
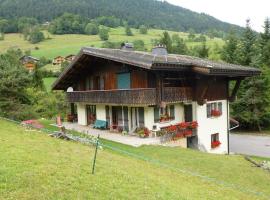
<point>160,50</point>
<point>127,46</point>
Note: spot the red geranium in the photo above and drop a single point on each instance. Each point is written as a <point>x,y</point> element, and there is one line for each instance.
<point>188,133</point>
<point>215,144</point>
<point>146,132</point>
<point>183,125</point>
<point>215,113</point>
<point>172,128</point>
<point>193,124</point>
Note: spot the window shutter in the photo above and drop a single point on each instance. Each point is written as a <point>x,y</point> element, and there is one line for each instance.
<point>220,107</point>
<point>156,114</point>
<point>172,112</point>
<point>208,110</point>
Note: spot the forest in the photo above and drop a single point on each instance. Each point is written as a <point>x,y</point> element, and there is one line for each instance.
<point>152,13</point>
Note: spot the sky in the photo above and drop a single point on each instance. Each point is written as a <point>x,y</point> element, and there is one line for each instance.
<point>232,11</point>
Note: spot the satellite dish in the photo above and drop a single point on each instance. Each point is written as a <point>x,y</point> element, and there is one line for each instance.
<point>70,89</point>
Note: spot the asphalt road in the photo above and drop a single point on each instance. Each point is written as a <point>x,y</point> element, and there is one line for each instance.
<point>250,145</point>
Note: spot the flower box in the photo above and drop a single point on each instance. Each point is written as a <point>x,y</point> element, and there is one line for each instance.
<point>215,113</point>
<point>215,144</point>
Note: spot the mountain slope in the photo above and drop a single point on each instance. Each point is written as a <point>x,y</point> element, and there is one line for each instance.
<point>149,12</point>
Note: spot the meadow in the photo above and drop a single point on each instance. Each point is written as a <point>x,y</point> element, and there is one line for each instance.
<point>35,166</point>
<point>64,45</point>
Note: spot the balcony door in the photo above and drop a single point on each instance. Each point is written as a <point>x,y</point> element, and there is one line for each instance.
<point>123,81</point>
<point>137,117</point>
<point>188,113</point>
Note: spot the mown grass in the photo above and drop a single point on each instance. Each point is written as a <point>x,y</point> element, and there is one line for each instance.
<point>35,166</point>
<point>72,43</point>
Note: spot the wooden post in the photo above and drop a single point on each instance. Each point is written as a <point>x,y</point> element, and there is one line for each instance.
<point>235,89</point>
<point>95,156</point>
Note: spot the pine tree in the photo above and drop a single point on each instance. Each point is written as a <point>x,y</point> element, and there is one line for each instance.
<point>228,53</point>
<point>265,44</point>
<point>253,103</point>
<point>167,41</point>
<point>246,49</point>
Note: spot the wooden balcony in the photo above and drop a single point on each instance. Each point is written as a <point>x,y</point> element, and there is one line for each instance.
<point>142,96</point>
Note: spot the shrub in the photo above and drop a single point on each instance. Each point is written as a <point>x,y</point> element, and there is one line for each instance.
<point>91,29</point>
<point>143,29</point>
<point>104,34</point>
<point>128,31</point>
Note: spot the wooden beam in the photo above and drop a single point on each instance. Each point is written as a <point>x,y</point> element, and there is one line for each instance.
<point>201,99</point>
<point>235,89</point>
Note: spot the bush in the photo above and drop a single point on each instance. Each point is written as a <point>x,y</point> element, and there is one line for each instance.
<point>143,29</point>
<point>104,34</point>
<point>139,45</point>
<point>35,36</point>
<point>128,31</point>
<point>91,29</point>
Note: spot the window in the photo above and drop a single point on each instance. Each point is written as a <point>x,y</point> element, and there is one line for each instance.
<point>214,109</point>
<point>215,140</point>
<point>169,111</point>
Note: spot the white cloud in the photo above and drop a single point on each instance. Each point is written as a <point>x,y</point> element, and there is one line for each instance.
<point>232,11</point>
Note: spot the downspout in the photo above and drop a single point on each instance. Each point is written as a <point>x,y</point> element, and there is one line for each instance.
<point>228,128</point>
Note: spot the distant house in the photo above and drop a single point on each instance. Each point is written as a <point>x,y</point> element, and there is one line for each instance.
<point>183,95</point>
<point>58,60</point>
<point>29,62</point>
<point>70,57</point>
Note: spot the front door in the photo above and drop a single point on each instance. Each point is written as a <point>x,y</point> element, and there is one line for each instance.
<point>137,117</point>
<point>91,114</point>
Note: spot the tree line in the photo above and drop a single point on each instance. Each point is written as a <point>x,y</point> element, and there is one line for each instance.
<point>152,13</point>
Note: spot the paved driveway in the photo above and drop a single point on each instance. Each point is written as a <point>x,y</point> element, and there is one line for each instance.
<point>250,145</point>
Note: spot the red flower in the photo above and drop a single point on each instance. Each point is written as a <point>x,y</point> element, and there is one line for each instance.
<point>146,132</point>
<point>172,128</point>
<point>183,125</point>
<point>193,124</point>
<point>215,144</point>
<point>188,132</point>
<point>215,113</point>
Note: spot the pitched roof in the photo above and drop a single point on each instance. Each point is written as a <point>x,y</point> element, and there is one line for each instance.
<point>171,62</point>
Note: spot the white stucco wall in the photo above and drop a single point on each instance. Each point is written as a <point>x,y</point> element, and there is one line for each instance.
<point>101,112</point>
<point>81,111</point>
<point>208,126</point>
<point>149,117</point>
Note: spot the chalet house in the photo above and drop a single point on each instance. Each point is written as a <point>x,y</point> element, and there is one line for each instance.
<point>29,62</point>
<point>58,60</point>
<point>130,89</point>
<point>70,58</point>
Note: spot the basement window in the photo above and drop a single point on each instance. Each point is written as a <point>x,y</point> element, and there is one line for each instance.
<point>215,140</point>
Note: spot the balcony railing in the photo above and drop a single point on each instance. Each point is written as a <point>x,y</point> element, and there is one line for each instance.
<point>144,96</point>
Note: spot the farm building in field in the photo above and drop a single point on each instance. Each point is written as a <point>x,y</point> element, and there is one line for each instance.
<point>70,57</point>
<point>177,97</point>
<point>29,62</point>
<point>58,60</point>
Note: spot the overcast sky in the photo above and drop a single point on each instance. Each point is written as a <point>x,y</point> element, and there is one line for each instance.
<point>232,11</point>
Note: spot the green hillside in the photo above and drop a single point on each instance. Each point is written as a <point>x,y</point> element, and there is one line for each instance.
<point>72,43</point>
<point>153,13</point>
<point>35,166</point>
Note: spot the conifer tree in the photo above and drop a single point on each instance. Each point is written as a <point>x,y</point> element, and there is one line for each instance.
<point>228,53</point>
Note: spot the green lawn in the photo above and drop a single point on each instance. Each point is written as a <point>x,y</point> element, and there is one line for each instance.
<point>35,166</point>
<point>72,43</point>
<point>48,83</point>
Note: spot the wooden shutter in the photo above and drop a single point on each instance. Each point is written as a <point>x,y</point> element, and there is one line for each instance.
<point>172,112</point>
<point>156,114</point>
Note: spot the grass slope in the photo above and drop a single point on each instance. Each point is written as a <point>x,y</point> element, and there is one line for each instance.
<point>48,83</point>
<point>72,43</point>
<point>35,166</point>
